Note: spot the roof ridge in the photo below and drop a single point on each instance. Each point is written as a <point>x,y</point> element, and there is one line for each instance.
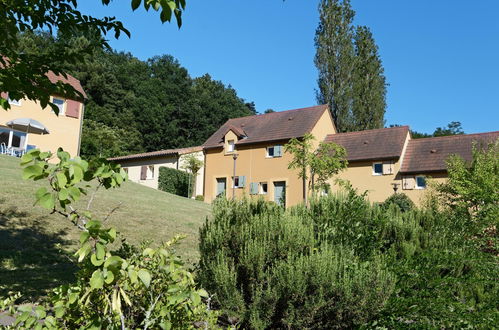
<point>371,130</point>
<point>279,112</point>
<point>452,136</point>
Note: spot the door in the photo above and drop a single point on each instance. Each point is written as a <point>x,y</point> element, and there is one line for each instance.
<point>221,186</point>
<point>280,193</point>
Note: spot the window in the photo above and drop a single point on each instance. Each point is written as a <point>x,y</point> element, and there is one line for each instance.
<point>239,181</point>
<point>10,138</point>
<point>150,172</point>
<point>14,102</point>
<point>420,182</point>
<point>231,146</point>
<point>263,188</point>
<point>60,104</point>
<point>274,151</point>
<point>377,168</point>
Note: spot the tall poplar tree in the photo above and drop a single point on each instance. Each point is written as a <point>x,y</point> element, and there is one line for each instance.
<point>369,83</point>
<point>334,60</point>
<point>351,76</point>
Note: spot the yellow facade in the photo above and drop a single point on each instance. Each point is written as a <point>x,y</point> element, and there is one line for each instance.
<point>258,168</point>
<point>64,131</point>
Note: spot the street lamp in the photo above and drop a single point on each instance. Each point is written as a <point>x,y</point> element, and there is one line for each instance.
<point>234,156</point>
<point>395,187</point>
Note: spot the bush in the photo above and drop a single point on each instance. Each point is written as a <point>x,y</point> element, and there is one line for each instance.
<point>200,198</point>
<point>270,269</point>
<point>174,181</point>
<point>401,200</point>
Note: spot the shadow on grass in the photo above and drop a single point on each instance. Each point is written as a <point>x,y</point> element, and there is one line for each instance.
<point>31,258</point>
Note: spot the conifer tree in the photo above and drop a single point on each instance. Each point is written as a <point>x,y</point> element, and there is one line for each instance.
<point>369,84</point>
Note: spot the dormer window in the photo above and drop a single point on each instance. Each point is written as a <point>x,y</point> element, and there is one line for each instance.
<point>231,146</point>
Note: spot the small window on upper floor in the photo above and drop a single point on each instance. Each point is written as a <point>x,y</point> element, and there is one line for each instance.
<point>274,151</point>
<point>263,188</point>
<point>60,104</point>
<point>420,182</point>
<point>231,146</point>
<point>14,102</point>
<point>377,168</point>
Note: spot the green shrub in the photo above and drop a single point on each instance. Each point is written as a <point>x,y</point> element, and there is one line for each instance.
<point>269,269</point>
<point>173,181</point>
<point>200,198</point>
<point>401,200</point>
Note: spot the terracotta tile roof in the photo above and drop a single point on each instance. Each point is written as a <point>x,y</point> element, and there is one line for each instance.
<point>160,153</point>
<point>430,154</point>
<point>273,126</point>
<point>383,143</point>
<point>75,83</point>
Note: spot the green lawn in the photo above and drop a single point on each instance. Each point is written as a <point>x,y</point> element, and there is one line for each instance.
<point>31,239</point>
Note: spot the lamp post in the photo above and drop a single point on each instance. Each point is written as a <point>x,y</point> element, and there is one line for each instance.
<point>395,187</point>
<point>234,156</point>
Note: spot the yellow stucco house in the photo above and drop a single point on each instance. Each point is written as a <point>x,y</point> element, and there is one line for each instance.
<point>60,131</point>
<point>245,157</point>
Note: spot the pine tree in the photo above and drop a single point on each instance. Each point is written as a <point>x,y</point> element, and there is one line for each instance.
<point>369,83</point>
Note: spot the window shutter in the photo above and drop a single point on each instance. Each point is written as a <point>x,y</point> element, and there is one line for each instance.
<point>253,188</point>
<point>387,168</point>
<point>408,183</point>
<point>242,181</point>
<point>72,108</point>
<point>279,150</point>
<point>143,172</point>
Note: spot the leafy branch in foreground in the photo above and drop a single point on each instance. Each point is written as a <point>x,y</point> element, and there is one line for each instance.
<point>128,288</point>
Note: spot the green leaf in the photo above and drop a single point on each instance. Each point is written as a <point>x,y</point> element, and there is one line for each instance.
<point>113,261</point>
<point>26,158</point>
<point>61,179</point>
<point>145,277</point>
<point>47,201</point>
<point>112,233</point>
<point>84,237</point>
<point>136,4</point>
<point>97,280</point>
<point>75,193</point>
<point>109,277</point>
<point>132,274</point>
<point>63,194</point>
<point>32,171</point>
<point>100,252</point>
<point>96,262</point>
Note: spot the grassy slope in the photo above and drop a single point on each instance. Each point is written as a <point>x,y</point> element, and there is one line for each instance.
<point>31,239</point>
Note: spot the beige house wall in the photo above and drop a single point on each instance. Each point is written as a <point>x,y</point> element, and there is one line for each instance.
<point>253,163</point>
<point>134,169</point>
<point>64,131</point>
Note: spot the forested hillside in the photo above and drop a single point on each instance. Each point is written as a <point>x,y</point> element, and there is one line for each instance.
<point>136,105</point>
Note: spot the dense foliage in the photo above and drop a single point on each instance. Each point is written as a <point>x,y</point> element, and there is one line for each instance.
<point>351,76</point>
<point>23,75</point>
<point>127,288</point>
<point>135,106</point>
<point>401,200</point>
<point>174,181</point>
<point>342,262</point>
<point>452,128</point>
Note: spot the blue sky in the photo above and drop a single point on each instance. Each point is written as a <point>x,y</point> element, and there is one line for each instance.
<point>440,57</point>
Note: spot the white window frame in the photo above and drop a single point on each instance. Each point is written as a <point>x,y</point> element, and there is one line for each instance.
<point>374,167</point>
<point>416,186</point>
<point>150,172</point>
<point>14,102</point>
<point>260,188</point>
<point>268,153</point>
<point>231,146</point>
<point>62,108</point>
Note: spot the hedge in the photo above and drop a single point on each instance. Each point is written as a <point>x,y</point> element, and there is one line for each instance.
<point>173,181</point>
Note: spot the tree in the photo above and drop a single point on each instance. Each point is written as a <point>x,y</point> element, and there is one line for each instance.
<point>334,60</point>
<point>453,128</point>
<point>369,85</point>
<point>302,151</point>
<point>24,75</point>
<point>328,160</point>
<point>193,165</point>
<point>269,111</point>
<point>351,76</point>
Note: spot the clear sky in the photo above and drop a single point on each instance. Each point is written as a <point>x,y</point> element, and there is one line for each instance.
<point>441,58</point>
